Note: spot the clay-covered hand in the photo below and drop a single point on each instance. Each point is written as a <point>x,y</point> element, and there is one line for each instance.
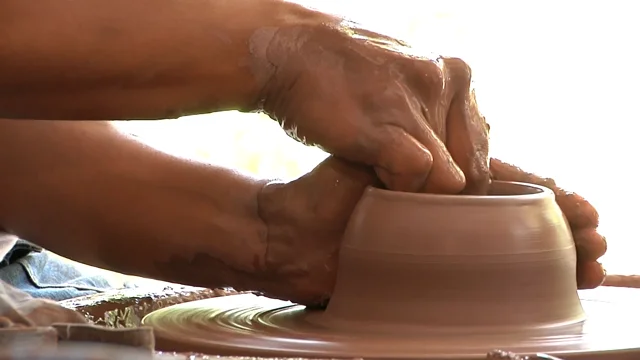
<point>362,97</point>
<point>581,216</point>
<point>306,219</point>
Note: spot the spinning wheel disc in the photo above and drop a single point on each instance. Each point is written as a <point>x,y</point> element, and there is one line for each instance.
<point>250,325</point>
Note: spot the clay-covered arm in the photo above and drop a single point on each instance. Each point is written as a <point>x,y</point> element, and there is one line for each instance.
<point>142,59</point>
<point>88,192</point>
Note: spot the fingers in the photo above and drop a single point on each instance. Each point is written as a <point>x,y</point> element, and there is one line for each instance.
<point>501,170</point>
<point>590,245</point>
<point>590,275</point>
<point>578,211</point>
<point>467,131</point>
<point>450,127</point>
<point>583,220</point>
<point>419,163</point>
<point>338,173</point>
<point>334,178</point>
<point>403,164</point>
<point>468,144</point>
<point>581,216</point>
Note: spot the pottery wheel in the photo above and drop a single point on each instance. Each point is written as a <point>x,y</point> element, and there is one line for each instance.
<point>406,288</point>
<point>251,325</point>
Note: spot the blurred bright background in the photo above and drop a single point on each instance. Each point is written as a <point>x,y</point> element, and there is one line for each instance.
<point>556,80</point>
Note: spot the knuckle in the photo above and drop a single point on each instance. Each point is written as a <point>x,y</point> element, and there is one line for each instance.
<point>579,212</point>
<point>459,71</point>
<point>590,245</point>
<point>426,76</point>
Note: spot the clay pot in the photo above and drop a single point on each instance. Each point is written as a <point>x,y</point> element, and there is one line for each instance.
<point>439,261</point>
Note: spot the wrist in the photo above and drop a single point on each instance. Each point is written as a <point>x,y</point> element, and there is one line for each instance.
<point>276,210</point>
<point>222,244</point>
<point>92,194</point>
<point>283,33</point>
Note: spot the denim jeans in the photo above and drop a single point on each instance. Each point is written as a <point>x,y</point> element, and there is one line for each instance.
<point>43,275</point>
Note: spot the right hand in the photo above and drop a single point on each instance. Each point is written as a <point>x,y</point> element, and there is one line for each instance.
<point>582,217</point>
<point>361,97</point>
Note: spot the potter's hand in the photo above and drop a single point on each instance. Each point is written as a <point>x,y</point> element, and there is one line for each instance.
<point>356,95</point>
<point>580,214</point>
<point>306,219</point>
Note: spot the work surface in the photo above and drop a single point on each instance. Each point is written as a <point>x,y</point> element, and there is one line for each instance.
<point>126,311</point>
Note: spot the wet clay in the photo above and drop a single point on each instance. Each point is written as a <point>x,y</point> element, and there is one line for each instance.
<point>507,254</point>
<point>428,277</point>
<point>125,308</point>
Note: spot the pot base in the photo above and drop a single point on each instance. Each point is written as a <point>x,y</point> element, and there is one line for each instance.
<point>249,325</point>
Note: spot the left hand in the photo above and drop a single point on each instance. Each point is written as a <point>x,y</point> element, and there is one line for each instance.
<point>581,215</point>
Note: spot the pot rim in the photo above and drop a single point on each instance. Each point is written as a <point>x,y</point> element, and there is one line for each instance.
<point>537,194</point>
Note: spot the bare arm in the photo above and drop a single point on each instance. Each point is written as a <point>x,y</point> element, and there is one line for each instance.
<point>143,59</point>
<point>90,193</point>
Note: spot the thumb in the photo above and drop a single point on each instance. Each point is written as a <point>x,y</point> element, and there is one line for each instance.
<point>405,164</point>
<point>335,178</point>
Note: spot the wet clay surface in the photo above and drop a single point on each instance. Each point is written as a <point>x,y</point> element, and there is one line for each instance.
<point>413,283</point>
<point>512,254</point>
<point>253,326</point>
<point>126,307</point>
<point>126,310</point>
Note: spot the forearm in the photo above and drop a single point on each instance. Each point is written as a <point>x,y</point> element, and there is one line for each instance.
<point>143,59</point>
<point>87,192</point>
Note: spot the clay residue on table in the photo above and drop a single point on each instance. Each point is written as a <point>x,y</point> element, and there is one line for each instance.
<point>127,307</point>
<point>505,355</point>
<point>194,356</point>
<point>495,355</point>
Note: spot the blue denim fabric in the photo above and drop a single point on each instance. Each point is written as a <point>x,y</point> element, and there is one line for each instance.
<point>44,276</point>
